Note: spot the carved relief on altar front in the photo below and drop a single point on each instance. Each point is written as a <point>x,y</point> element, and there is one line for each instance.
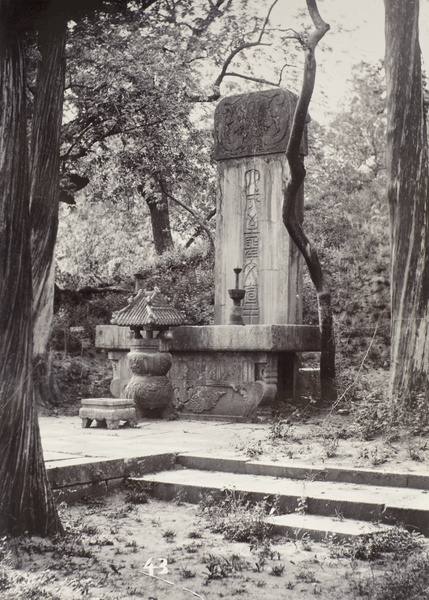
<point>219,372</point>
<point>201,399</point>
<point>251,246</point>
<point>229,383</point>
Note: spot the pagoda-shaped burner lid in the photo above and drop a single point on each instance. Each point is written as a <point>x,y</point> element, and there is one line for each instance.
<point>148,310</point>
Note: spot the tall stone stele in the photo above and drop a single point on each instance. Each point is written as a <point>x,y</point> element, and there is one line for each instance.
<point>251,134</point>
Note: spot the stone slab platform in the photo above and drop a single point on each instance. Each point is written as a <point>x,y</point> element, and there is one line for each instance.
<point>320,528</point>
<point>210,443</point>
<point>262,338</point>
<point>292,470</point>
<point>255,338</point>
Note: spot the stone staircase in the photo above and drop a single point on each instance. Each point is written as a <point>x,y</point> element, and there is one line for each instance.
<point>317,501</point>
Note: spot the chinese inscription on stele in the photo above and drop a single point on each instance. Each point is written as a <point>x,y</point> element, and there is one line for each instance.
<point>251,247</point>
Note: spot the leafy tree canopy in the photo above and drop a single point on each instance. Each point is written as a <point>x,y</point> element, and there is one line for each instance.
<point>137,118</point>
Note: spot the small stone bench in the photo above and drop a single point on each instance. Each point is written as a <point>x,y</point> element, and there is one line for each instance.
<point>108,411</point>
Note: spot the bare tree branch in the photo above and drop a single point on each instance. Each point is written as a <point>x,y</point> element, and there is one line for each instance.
<point>257,79</point>
<point>215,95</point>
<point>114,130</point>
<point>267,18</point>
<point>231,57</point>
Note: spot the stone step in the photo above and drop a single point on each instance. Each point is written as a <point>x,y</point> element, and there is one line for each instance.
<point>294,470</point>
<point>370,503</point>
<point>296,525</point>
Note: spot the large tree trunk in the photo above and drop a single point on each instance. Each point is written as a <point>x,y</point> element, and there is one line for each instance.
<point>26,503</point>
<point>408,195</point>
<point>160,220</point>
<point>44,196</point>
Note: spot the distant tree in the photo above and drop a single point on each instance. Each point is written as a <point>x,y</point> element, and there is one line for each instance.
<point>408,195</point>
<point>346,212</point>
<point>351,149</point>
<point>345,186</point>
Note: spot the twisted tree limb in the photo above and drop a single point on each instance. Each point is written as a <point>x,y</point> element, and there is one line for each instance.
<point>292,182</point>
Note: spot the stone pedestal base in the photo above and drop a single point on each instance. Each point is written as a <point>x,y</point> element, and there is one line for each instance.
<point>149,386</point>
<point>228,371</point>
<point>218,371</point>
<point>108,411</point>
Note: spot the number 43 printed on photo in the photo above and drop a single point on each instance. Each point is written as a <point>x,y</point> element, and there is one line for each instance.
<point>156,569</point>
<point>161,569</point>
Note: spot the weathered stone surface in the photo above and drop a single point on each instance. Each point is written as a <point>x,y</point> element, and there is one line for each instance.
<point>150,391</point>
<point>113,337</point>
<point>107,410</point>
<point>75,493</point>
<point>321,528</point>
<point>251,338</point>
<point>72,473</point>
<point>109,403</point>
<point>266,352</point>
<point>250,234</point>
<point>308,383</point>
<point>254,124</point>
<point>418,481</point>
<point>367,477</point>
<point>354,501</point>
<point>149,464</point>
<point>121,371</point>
<point>222,383</point>
<point>210,463</point>
<point>234,401</point>
<point>149,385</point>
<point>148,308</point>
<point>152,363</point>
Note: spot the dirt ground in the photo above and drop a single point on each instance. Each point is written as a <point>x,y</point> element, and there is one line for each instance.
<point>328,438</point>
<point>112,548</point>
<point>115,549</point>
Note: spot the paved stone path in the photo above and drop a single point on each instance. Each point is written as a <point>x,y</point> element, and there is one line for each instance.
<point>64,438</point>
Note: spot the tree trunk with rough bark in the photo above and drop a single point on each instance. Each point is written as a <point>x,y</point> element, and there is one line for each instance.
<point>408,195</point>
<point>26,502</point>
<point>160,221</point>
<point>45,191</point>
